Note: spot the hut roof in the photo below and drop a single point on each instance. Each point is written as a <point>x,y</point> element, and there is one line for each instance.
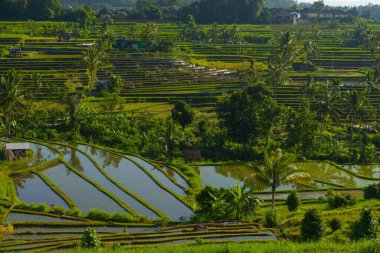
<point>17,146</point>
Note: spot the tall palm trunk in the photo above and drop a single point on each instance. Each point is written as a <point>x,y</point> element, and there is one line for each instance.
<point>273,196</point>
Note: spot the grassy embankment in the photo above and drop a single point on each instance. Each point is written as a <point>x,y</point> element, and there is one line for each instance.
<point>288,247</point>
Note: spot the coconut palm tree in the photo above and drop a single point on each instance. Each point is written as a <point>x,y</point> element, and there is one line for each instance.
<point>370,81</point>
<point>310,87</point>
<point>149,34</point>
<point>37,85</point>
<point>276,171</point>
<point>286,51</point>
<point>241,201</point>
<point>357,105</point>
<point>92,60</point>
<point>12,101</point>
<point>327,102</point>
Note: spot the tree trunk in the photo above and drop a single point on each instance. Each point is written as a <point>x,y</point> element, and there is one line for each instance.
<point>273,196</point>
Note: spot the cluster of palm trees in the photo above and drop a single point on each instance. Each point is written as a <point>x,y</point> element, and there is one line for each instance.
<point>216,34</point>
<point>239,201</point>
<point>12,99</point>
<point>335,104</point>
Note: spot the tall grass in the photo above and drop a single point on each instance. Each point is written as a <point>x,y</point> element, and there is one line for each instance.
<point>281,247</point>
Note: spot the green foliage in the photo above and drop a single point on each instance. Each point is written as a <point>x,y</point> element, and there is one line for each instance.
<point>372,191</point>
<point>122,217</point>
<point>73,212</point>
<point>293,201</point>
<point>182,113</point>
<point>312,228</point>
<point>367,227</point>
<point>199,241</point>
<point>340,200</point>
<point>2,209</point>
<point>59,210</point>
<point>302,130</point>
<point>90,239</point>
<point>116,246</point>
<point>270,218</point>
<point>335,224</point>
<point>100,215</point>
<point>250,115</point>
<point>95,214</point>
<point>233,203</point>
<point>44,208</point>
<point>231,11</point>
<point>276,171</point>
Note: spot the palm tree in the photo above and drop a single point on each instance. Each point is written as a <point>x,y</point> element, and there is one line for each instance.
<point>276,171</point>
<point>310,87</point>
<point>371,41</point>
<point>12,97</point>
<point>37,83</point>
<point>92,60</point>
<point>327,102</point>
<point>241,201</point>
<point>149,34</point>
<point>356,105</point>
<point>370,81</point>
<point>286,51</point>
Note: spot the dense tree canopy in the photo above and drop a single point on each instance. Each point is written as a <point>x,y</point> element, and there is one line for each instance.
<point>250,114</point>
<point>227,11</point>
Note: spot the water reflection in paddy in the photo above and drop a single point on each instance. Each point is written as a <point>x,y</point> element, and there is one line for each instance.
<point>372,171</point>
<point>32,189</point>
<point>226,176</point>
<point>27,217</point>
<point>177,177</point>
<point>84,164</point>
<point>158,175</point>
<point>136,180</point>
<point>84,195</point>
<point>230,175</point>
<point>329,173</point>
<point>41,154</point>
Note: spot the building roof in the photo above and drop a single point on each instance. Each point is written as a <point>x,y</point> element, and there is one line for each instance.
<point>106,11</point>
<point>17,146</point>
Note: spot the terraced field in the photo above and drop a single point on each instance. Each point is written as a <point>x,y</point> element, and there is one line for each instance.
<point>115,182</point>
<point>87,177</point>
<point>154,81</point>
<point>30,237</point>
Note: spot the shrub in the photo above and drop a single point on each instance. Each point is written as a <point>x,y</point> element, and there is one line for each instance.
<point>44,208</point>
<point>22,205</point>
<point>199,241</point>
<point>1,209</point>
<point>372,192</point>
<point>312,228</point>
<point>95,214</point>
<point>293,201</point>
<point>90,239</point>
<point>367,227</point>
<point>122,217</point>
<point>270,218</point>
<point>116,246</point>
<point>59,210</point>
<point>340,200</point>
<point>73,212</point>
<point>335,224</point>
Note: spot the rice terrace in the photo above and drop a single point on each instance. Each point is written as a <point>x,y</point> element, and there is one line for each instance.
<point>189,126</point>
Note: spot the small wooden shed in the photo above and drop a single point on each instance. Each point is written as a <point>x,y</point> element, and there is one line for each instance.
<point>192,155</point>
<point>15,151</point>
<point>15,52</point>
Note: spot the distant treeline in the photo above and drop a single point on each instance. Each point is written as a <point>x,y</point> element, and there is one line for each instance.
<point>41,10</point>
<point>204,11</point>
